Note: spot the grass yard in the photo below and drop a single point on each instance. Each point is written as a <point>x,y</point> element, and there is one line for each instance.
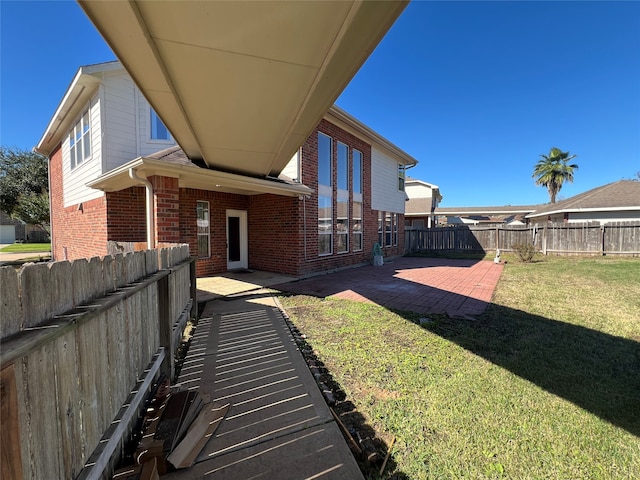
<point>26,248</point>
<point>546,384</point>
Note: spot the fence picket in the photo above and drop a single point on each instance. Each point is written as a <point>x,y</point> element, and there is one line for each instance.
<point>71,380</point>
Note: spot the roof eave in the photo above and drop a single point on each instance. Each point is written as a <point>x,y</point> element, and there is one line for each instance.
<point>583,210</point>
<point>194,177</point>
<point>359,129</point>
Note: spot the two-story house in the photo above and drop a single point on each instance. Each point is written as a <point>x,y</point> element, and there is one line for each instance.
<point>423,199</point>
<point>116,174</point>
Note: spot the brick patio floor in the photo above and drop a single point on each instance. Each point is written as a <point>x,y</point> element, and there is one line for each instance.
<point>458,288</point>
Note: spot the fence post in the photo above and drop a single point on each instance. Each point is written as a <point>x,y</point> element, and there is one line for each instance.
<point>544,240</point>
<point>194,290</point>
<point>603,239</point>
<point>164,325</point>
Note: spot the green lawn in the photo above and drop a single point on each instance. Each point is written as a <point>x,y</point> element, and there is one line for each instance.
<point>546,384</point>
<point>26,248</point>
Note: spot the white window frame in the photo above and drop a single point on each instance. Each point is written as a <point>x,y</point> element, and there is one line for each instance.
<point>203,227</point>
<point>153,118</point>
<point>80,140</point>
<point>401,177</point>
<point>357,222</point>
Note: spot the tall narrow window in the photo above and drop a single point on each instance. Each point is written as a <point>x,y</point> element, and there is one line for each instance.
<point>158,130</point>
<point>325,195</point>
<point>401,175</point>
<point>395,218</point>
<point>381,228</point>
<point>387,229</point>
<point>202,219</point>
<point>80,141</point>
<point>356,209</point>
<point>342,225</point>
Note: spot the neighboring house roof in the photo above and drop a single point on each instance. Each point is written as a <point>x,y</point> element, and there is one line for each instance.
<point>418,206</point>
<point>242,86</point>
<point>499,210</point>
<point>616,196</point>
<point>173,162</point>
<point>411,180</point>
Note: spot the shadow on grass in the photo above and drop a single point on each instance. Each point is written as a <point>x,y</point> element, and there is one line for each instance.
<point>596,371</point>
<point>369,450</point>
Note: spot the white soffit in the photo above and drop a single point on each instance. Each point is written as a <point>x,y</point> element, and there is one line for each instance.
<point>241,85</point>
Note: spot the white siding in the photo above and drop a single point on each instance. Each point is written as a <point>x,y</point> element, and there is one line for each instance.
<point>119,120</point>
<point>418,191</point>
<point>74,190</point>
<point>147,146</point>
<point>385,195</point>
<point>292,169</point>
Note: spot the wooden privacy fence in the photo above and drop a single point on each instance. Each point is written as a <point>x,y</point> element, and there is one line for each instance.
<point>80,341</point>
<point>621,238</point>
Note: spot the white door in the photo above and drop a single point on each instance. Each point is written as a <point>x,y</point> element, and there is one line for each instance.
<point>237,249</point>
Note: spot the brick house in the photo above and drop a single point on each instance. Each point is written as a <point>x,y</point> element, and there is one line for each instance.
<point>116,174</point>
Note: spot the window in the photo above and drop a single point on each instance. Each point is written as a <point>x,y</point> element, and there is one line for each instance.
<point>342,224</point>
<point>401,174</point>
<point>394,218</point>
<point>325,159</point>
<point>388,225</point>
<point>381,228</point>
<point>325,195</point>
<point>80,141</point>
<point>158,130</point>
<point>325,225</point>
<point>356,209</point>
<point>204,241</point>
<point>357,226</point>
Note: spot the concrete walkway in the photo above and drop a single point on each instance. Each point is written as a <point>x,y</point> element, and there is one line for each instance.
<point>279,425</point>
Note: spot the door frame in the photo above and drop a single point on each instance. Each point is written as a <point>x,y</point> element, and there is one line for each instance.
<point>244,244</point>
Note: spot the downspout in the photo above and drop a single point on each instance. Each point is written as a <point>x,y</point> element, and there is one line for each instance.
<point>149,188</point>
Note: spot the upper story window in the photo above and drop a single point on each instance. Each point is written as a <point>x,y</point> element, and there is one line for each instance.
<point>357,171</point>
<point>401,169</point>
<point>80,141</point>
<point>325,157</point>
<point>158,130</point>
<point>343,166</point>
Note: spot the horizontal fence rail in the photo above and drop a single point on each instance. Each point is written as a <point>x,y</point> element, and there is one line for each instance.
<point>76,339</point>
<point>619,238</point>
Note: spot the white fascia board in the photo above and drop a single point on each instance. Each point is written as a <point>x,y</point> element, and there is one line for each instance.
<point>581,210</point>
<point>194,177</point>
<point>82,87</point>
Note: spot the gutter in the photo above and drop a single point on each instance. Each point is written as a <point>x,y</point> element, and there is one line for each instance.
<point>149,188</point>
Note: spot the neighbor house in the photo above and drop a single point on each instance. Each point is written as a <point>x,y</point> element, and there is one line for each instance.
<point>614,202</point>
<point>422,200</point>
<point>117,174</point>
<point>494,215</point>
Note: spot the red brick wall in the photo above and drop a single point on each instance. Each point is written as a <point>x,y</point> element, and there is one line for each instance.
<point>126,215</point>
<point>166,209</point>
<point>276,237</point>
<point>218,205</point>
<point>313,263</point>
<point>75,232</point>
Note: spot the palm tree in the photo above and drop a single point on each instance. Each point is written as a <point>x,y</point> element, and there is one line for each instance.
<point>553,170</point>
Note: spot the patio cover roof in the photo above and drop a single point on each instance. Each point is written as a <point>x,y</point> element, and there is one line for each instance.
<point>241,85</point>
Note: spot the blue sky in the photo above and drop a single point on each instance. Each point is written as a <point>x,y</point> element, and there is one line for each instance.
<point>476,91</point>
